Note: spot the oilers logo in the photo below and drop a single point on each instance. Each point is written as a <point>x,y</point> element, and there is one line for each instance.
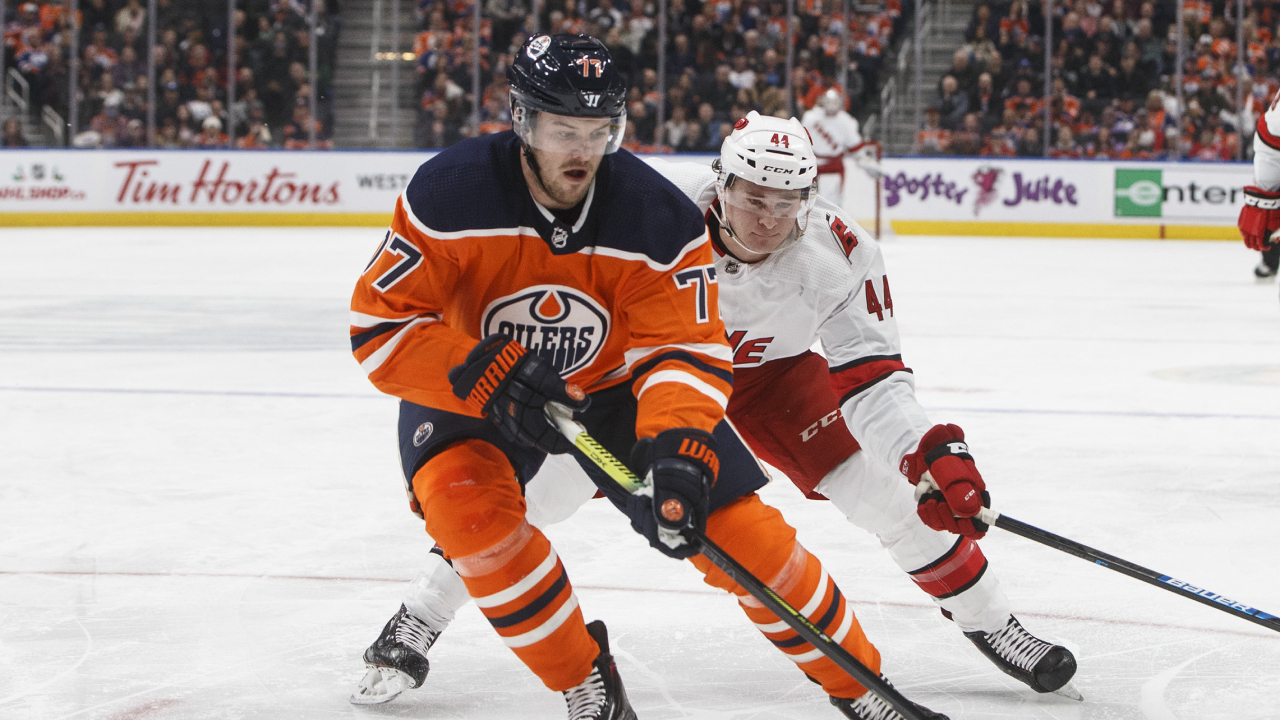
<point>563,326</point>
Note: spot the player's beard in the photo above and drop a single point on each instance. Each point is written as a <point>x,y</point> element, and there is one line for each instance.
<point>564,179</point>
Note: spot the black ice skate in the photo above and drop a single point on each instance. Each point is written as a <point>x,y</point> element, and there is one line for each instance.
<point>1044,667</point>
<point>601,696</point>
<point>869,706</point>
<point>397,660</point>
<point>1264,272</point>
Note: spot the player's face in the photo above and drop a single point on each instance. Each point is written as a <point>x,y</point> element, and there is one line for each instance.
<point>762,218</point>
<point>569,151</point>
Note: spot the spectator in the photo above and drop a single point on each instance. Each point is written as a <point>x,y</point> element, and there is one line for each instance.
<point>13,134</point>
<point>933,139</point>
<point>951,104</point>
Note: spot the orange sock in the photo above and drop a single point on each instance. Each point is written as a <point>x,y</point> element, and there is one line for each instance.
<point>757,536</point>
<point>473,508</point>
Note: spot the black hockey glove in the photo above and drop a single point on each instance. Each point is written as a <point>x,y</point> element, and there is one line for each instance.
<point>679,468</point>
<point>509,385</point>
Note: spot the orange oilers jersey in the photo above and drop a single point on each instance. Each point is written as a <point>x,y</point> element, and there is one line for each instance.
<point>622,290</point>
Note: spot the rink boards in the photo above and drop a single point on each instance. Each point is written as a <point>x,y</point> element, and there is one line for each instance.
<point>918,195</point>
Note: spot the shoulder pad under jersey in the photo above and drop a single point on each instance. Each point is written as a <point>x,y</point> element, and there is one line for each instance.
<point>642,212</point>
<point>472,185</point>
<point>695,179</point>
<point>831,258</point>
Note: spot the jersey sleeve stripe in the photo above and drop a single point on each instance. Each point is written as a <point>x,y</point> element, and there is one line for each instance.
<point>680,376</point>
<point>361,320</point>
<point>869,384</point>
<point>379,356</point>
<point>361,339</point>
<point>715,351</point>
<point>851,378</point>
<point>686,358</point>
<point>863,361</point>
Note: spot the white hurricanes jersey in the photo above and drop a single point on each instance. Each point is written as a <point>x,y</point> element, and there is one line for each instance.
<point>832,135</point>
<point>1266,148</point>
<point>830,287</point>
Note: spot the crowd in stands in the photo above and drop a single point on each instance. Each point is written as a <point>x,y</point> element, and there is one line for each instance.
<point>1113,91</point>
<point>724,58</point>
<point>271,106</point>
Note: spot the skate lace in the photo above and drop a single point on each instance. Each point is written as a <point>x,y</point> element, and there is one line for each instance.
<point>1018,646</point>
<point>416,634</point>
<point>587,697</point>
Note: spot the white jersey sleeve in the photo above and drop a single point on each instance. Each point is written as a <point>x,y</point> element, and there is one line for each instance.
<point>695,179</point>
<point>860,338</point>
<point>1266,148</point>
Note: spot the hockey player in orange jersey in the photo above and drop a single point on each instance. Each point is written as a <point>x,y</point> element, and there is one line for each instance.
<point>576,267</point>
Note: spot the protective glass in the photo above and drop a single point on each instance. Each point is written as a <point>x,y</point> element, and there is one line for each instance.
<point>765,220</point>
<point>567,135</point>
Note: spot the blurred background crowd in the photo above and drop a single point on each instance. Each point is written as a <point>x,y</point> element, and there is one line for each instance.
<point>1115,75</point>
<point>269,73</point>
<point>1113,64</point>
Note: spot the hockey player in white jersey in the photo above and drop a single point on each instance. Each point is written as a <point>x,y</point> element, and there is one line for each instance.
<point>835,134</point>
<point>793,271</point>
<point>1260,216</point>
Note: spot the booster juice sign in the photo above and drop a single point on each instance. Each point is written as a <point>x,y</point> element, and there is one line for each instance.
<point>1103,192</point>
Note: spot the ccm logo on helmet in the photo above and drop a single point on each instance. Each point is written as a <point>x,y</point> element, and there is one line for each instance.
<point>563,326</point>
<point>774,168</point>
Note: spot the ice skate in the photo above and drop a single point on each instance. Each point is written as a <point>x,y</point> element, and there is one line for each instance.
<point>1264,272</point>
<point>601,696</point>
<point>869,706</point>
<point>397,660</point>
<point>1042,666</point>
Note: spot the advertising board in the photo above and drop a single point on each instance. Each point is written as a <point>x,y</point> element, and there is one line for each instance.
<point>1065,198</point>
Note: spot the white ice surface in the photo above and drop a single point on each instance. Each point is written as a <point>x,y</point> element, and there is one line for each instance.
<point>202,515</point>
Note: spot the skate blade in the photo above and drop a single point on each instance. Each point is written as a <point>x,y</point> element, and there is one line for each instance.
<point>380,685</point>
<point>1069,691</point>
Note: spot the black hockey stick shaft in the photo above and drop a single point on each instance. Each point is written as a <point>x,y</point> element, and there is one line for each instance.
<point>1120,565</point>
<point>562,418</point>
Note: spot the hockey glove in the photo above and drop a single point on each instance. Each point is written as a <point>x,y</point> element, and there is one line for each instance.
<point>679,468</point>
<point>1259,217</point>
<point>960,492</point>
<point>509,385</point>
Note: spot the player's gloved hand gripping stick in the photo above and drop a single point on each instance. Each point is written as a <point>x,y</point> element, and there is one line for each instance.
<point>1202,595</point>
<point>562,418</point>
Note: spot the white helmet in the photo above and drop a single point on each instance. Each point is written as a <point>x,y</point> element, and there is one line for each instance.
<point>832,101</point>
<point>775,157</point>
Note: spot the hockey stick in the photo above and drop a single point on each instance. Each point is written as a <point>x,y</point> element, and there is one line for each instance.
<point>1111,562</point>
<point>562,418</point>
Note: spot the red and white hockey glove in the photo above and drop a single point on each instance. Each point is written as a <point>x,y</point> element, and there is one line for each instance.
<point>1259,217</point>
<point>960,492</point>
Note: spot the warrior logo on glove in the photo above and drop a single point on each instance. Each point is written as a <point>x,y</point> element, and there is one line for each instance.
<point>509,385</point>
